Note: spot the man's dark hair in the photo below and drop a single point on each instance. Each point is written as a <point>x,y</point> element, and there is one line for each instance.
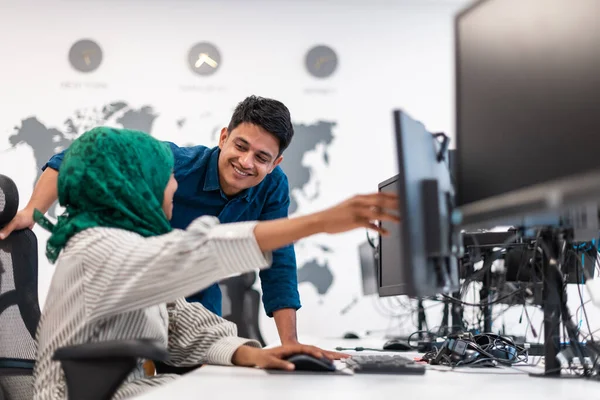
<point>271,115</point>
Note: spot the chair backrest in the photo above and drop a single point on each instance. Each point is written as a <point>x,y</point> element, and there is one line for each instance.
<point>245,305</point>
<point>19,306</point>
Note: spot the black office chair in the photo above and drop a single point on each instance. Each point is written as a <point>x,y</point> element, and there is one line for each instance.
<point>19,308</point>
<point>93,371</point>
<point>245,305</point>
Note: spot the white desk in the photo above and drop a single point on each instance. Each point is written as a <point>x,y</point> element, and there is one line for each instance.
<point>437,383</point>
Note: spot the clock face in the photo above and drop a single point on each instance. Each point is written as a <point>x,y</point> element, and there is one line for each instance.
<point>204,59</point>
<point>85,55</point>
<point>321,61</point>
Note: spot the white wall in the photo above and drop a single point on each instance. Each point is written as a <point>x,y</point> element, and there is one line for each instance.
<point>393,54</point>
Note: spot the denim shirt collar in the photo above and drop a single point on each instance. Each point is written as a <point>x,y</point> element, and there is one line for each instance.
<point>211,179</point>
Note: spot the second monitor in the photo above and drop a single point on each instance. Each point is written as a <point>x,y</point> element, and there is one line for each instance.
<point>417,258</point>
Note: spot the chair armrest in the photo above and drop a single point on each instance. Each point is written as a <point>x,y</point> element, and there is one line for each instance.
<point>94,371</point>
<point>141,348</point>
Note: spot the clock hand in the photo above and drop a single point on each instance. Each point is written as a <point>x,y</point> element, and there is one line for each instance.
<point>200,60</point>
<point>211,62</point>
<point>205,58</point>
<point>86,57</point>
<point>322,60</point>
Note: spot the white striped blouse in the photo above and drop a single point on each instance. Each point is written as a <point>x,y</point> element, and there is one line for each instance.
<point>114,284</point>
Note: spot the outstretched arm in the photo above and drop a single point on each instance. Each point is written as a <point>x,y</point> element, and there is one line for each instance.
<point>44,195</point>
<point>132,272</point>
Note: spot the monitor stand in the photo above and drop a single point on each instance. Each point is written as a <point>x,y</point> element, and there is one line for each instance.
<point>422,320</point>
<point>452,317</point>
<point>554,299</point>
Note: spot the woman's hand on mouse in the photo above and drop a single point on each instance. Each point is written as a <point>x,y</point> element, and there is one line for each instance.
<point>274,358</point>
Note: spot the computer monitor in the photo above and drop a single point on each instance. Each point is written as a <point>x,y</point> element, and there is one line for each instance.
<point>416,258</point>
<point>528,101</point>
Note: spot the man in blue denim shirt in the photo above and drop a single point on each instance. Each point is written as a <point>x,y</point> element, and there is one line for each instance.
<point>237,181</point>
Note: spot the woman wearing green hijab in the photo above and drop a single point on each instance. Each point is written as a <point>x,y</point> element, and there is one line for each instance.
<point>123,273</point>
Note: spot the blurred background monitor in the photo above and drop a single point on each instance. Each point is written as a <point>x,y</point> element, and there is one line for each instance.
<point>528,100</point>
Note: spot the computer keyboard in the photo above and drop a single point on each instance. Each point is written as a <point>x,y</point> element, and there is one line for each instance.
<point>384,364</point>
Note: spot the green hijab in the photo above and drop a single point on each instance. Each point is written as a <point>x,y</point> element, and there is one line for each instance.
<point>111,178</point>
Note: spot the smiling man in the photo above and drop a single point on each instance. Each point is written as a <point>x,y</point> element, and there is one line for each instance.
<point>239,180</point>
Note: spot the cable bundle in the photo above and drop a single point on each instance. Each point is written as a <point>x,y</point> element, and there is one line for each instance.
<point>486,349</point>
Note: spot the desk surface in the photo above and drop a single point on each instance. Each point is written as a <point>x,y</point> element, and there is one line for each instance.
<point>437,383</point>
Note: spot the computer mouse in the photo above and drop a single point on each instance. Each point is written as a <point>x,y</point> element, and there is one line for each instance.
<point>397,345</point>
<point>351,335</point>
<point>304,362</point>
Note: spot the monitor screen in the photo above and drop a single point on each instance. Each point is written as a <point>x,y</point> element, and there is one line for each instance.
<point>527,94</point>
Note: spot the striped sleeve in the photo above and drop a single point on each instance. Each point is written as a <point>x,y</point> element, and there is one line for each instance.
<point>197,336</point>
<point>125,271</point>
